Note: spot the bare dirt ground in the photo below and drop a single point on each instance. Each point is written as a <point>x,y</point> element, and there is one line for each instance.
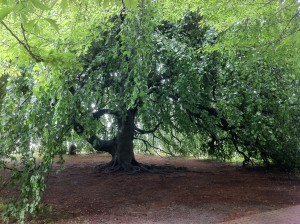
<point>208,192</point>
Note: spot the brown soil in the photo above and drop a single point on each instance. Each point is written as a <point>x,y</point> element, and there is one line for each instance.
<point>207,192</point>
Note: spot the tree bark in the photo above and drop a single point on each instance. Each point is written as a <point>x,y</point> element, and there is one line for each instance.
<point>120,147</point>
<point>124,156</point>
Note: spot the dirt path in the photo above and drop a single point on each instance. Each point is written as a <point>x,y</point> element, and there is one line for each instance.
<point>210,192</point>
<point>290,215</point>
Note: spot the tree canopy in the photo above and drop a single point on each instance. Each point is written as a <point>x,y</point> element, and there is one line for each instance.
<point>187,78</point>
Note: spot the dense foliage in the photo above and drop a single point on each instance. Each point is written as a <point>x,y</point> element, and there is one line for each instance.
<point>183,78</point>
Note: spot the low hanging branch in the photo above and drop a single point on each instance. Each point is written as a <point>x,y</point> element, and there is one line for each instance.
<point>166,141</point>
<point>223,124</point>
<point>147,143</point>
<point>175,137</point>
<point>235,143</point>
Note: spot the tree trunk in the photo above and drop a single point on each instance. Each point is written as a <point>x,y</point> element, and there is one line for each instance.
<point>120,147</point>
<point>124,155</point>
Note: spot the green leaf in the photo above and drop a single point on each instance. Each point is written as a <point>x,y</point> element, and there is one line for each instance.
<point>53,3</point>
<point>39,5</point>
<point>132,4</point>
<point>106,3</point>
<point>4,12</point>
<point>64,5</point>
<point>53,23</point>
<point>30,24</point>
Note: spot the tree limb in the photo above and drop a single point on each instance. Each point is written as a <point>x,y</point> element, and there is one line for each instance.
<point>140,131</point>
<point>24,36</point>
<point>109,146</point>
<point>168,143</point>
<point>152,146</point>
<point>144,141</point>
<point>235,143</point>
<point>24,101</point>
<point>175,137</point>
<point>27,48</point>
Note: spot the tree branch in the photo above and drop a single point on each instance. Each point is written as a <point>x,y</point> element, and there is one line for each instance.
<point>175,137</point>
<point>24,36</point>
<point>154,147</point>
<point>168,143</point>
<point>24,101</point>
<point>109,146</point>
<point>145,142</point>
<point>123,11</point>
<point>235,143</point>
<point>140,131</point>
<point>27,48</point>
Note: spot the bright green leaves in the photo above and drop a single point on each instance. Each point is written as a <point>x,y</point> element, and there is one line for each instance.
<point>54,32</point>
<point>254,98</point>
<point>244,84</point>
<point>129,4</point>
<point>263,27</point>
<point>39,5</point>
<point>35,119</point>
<point>23,10</point>
<point>4,11</point>
<point>53,23</point>
<point>64,5</point>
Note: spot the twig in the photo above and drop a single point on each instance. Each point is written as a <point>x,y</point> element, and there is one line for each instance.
<point>24,36</point>
<point>24,101</point>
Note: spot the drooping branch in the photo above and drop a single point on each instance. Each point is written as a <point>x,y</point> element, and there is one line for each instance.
<point>144,141</point>
<point>24,101</point>
<point>234,139</point>
<point>223,124</point>
<point>166,141</point>
<point>147,143</point>
<point>175,137</point>
<point>27,48</point>
<point>140,131</point>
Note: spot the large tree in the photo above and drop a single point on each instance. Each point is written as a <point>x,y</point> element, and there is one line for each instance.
<point>136,73</point>
<point>175,75</point>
